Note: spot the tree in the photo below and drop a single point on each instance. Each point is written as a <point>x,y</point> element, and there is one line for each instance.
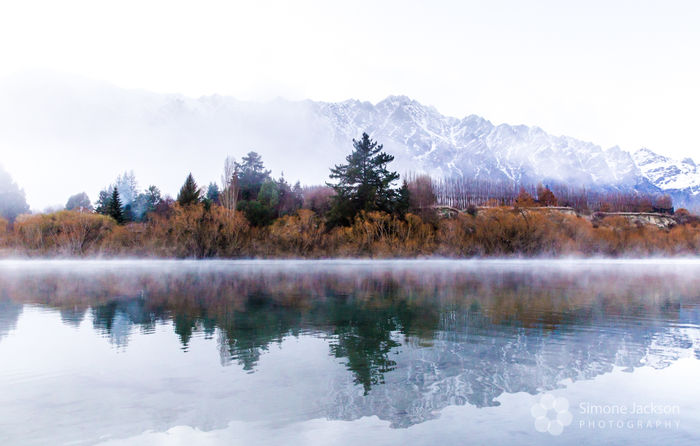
<point>251,175</point>
<point>229,185</point>
<point>12,200</point>
<point>317,198</point>
<point>663,203</point>
<point>403,200</point>
<point>127,186</point>
<point>364,183</point>
<point>102,203</point>
<point>114,209</point>
<point>262,211</point>
<point>189,192</point>
<point>524,199</point>
<point>545,196</point>
<point>146,202</point>
<point>269,194</point>
<point>213,193</point>
<point>79,202</point>
<point>290,198</point>
<point>422,198</point>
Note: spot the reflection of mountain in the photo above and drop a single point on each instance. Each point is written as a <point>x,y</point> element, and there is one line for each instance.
<point>415,341</point>
<point>477,366</point>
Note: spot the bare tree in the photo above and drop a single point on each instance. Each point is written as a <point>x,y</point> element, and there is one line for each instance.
<point>229,185</point>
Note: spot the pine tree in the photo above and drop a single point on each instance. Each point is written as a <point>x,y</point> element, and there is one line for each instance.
<point>364,183</point>
<point>189,192</point>
<point>213,193</point>
<point>114,207</point>
<point>251,175</point>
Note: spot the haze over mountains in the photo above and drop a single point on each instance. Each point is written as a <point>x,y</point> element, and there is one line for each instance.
<point>60,135</point>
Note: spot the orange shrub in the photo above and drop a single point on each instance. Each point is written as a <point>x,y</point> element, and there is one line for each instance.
<point>297,235</point>
<point>200,231</point>
<point>383,235</point>
<point>5,238</point>
<point>63,232</point>
<point>195,231</point>
<point>455,236</point>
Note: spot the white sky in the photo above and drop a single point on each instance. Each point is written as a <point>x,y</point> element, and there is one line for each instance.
<point>611,72</point>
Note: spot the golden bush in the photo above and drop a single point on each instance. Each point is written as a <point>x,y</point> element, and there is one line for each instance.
<point>63,232</point>
<point>201,231</point>
<point>297,235</point>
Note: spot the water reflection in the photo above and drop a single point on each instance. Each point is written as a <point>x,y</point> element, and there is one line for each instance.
<point>416,338</point>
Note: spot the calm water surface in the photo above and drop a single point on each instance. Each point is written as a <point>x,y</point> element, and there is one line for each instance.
<point>349,352</point>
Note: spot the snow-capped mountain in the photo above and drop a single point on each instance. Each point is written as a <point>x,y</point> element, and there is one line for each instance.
<point>678,177</point>
<point>423,139</point>
<point>85,133</point>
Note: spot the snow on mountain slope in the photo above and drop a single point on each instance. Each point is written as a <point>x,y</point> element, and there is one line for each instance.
<point>423,139</point>
<point>669,174</point>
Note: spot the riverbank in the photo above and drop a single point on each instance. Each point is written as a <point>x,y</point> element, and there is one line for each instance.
<point>195,232</point>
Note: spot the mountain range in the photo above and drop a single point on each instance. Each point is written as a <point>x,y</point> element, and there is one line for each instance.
<point>78,135</point>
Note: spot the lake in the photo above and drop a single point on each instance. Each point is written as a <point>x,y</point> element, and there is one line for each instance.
<point>350,352</point>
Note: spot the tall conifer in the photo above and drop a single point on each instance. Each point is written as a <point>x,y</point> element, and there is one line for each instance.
<point>189,192</point>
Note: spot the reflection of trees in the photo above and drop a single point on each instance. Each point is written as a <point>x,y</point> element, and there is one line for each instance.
<point>245,334</point>
<point>72,315</point>
<point>9,314</point>
<point>364,338</point>
<point>414,341</point>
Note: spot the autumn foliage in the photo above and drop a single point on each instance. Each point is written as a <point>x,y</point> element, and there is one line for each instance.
<point>200,231</point>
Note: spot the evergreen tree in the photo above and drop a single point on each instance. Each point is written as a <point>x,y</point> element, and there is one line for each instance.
<point>114,208</point>
<point>269,194</point>
<point>263,210</point>
<point>251,175</point>
<point>189,192</point>
<point>213,193</point>
<point>102,203</point>
<point>364,183</point>
<point>403,200</point>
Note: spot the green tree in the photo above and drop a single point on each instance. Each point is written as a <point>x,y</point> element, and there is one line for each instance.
<point>102,203</point>
<point>262,211</point>
<point>364,183</point>
<point>213,193</point>
<point>114,208</point>
<point>251,175</point>
<point>189,192</point>
<point>269,194</point>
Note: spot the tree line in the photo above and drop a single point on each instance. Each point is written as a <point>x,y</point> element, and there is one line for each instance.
<point>364,209</point>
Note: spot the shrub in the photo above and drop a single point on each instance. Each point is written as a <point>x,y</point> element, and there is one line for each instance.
<point>4,232</point>
<point>198,231</point>
<point>63,232</point>
<point>297,235</point>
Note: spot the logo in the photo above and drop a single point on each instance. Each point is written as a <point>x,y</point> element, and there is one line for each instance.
<point>551,414</point>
